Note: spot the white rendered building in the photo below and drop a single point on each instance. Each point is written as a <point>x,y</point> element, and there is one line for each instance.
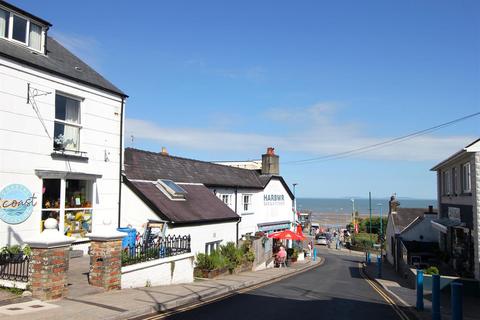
<point>60,135</point>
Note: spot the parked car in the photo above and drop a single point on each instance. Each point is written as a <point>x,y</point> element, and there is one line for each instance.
<point>321,240</point>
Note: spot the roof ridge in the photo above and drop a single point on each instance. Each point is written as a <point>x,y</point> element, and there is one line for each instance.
<point>195,160</point>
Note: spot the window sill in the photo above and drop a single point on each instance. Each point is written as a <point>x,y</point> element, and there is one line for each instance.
<point>70,155</point>
<point>247,213</point>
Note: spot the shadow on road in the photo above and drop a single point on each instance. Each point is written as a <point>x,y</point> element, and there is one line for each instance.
<point>251,306</point>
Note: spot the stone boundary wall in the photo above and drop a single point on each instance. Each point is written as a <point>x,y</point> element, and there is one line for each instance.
<point>166,271</point>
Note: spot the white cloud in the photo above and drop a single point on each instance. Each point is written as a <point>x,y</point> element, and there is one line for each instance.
<point>311,130</point>
<point>85,47</point>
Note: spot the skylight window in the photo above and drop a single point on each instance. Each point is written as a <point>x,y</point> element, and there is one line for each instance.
<point>171,189</point>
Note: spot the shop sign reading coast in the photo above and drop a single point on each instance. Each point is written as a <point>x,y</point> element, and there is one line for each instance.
<point>16,203</point>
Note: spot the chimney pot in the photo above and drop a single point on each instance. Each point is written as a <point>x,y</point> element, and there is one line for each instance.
<point>164,151</point>
<point>270,151</point>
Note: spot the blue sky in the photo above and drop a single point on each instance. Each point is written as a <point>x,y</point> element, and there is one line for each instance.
<point>218,80</point>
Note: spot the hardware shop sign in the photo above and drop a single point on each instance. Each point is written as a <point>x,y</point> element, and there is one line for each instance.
<point>16,203</point>
<point>273,199</point>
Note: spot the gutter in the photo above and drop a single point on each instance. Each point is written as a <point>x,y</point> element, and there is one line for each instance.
<point>121,163</point>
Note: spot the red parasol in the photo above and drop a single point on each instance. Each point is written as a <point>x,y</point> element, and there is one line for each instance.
<point>286,235</point>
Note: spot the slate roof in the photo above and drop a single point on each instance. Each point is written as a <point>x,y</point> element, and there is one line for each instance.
<point>58,61</point>
<point>265,179</point>
<point>151,166</point>
<point>405,216</point>
<point>201,205</point>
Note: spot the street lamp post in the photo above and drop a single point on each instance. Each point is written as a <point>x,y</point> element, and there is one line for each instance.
<point>294,202</point>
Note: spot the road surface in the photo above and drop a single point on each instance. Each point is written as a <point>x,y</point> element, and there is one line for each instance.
<point>335,290</point>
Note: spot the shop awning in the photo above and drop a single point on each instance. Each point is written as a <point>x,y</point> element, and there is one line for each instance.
<point>277,225</point>
<point>443,224</point>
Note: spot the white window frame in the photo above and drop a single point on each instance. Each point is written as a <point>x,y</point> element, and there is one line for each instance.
<point>227,197</point>
<point>77,125</point>
<point>466,178</point>
<point>62,210</point>
<point>247,205</point>
<point>27,35</point>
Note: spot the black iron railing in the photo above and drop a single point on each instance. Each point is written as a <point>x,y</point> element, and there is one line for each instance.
<point>14,267</point>
<point>161,247</point>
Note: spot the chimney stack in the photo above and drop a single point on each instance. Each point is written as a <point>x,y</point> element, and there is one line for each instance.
<point>164,152</point>
<point>270,162</point>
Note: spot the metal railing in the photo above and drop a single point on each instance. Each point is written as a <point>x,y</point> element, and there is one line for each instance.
<point>161,247</point>
<point>14,267</point>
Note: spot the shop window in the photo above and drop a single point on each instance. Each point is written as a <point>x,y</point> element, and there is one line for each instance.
<point>67,124</point>
<point>78,208</point>
<point>70,203</point>
<point>247,202</point>
<point>51,200</point>
<point>466,178</point>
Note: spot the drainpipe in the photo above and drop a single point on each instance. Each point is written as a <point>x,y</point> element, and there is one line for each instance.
<point>121,164</point>
<point>239,218</point>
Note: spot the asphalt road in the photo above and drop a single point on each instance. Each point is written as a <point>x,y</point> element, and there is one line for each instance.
<point>336,290</point>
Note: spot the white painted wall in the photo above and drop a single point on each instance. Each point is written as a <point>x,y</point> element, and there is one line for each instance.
<point>262,211</point>
<point>25,145</point>
<point>388,238</point>
<point>423,228</point>
<point>167,271</point>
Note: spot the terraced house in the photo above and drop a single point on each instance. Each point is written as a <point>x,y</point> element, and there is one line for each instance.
<point>458,187</point>
<point>61,127</point>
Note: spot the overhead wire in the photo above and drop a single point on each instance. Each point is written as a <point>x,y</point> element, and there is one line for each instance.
<point>375,146</point>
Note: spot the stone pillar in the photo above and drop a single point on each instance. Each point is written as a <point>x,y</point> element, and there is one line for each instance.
<point>49,263</point>
<point>106,259</point>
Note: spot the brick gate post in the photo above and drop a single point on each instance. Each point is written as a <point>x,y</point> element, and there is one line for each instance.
<point>49,263</point>
<point>106,259</point>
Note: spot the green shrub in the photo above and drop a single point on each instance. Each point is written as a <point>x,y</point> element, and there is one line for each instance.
<point>204,262</point>
<point>218,260</point>
<point>233,255</point>
<point>431,270</point>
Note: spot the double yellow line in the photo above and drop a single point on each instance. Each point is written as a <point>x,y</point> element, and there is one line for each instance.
<point>385,297</point>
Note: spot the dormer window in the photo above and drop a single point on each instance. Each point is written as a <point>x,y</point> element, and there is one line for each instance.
<point>21,30</point>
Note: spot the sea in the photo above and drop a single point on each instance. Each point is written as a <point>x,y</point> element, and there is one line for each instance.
<point>344,205</point>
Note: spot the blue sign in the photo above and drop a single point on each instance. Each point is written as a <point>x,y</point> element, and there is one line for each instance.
<point>16,203</point>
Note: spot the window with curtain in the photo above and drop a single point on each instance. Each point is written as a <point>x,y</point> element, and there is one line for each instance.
<point>35,36</point>
<point>4,19</point>
<point>67,124</point>
<point>466,178</point>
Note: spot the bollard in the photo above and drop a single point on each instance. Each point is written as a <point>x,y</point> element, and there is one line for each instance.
<point>457,303</point>
<point>419,290</point>
<point>435,297</point>
<point>379,267</point>
<point>315,254</point>
<point>368,258</point>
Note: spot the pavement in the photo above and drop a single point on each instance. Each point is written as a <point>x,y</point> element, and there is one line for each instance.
<point>128,303</point>
<point>393,283</point>
<point>336,290</point>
